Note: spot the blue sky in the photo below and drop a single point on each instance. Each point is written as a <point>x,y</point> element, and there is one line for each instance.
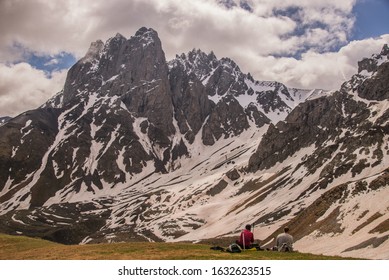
<point>50,63</point>
<point>303,44</point>
<point>372,18</point>
<point>53,63</point>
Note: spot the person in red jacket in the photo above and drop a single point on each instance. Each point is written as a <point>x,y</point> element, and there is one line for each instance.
<point>246,239</point>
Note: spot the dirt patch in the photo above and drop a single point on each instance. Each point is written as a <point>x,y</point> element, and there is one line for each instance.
<point>307,220</point>
<point>218,188</point>
<point>381,228</point>
<point>368,221</point>
<point>362,215</point>
<point>381,181</point>
<point>374,242</point>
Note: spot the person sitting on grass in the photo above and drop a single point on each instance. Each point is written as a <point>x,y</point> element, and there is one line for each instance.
<point>284,241</point>
<point>246,238</point>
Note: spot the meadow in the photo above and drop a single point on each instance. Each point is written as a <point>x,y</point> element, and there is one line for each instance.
<point>27,248</point>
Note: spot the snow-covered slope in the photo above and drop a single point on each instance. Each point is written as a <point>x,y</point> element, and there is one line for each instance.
<point>341,181</point>
<point>137,148</point>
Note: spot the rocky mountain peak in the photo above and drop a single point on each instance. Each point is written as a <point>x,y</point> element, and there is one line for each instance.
<point>385,50</point>
<point>372,80</point>
<point>198,55</point>
<point>126,60</point>
<point>313,120</point>
<point>203,65</point>
<point>146,32</point>
<point>94,51</point>
<point>117,39</point>
<point>195,62</point>
<point>148,36</point>
<point>3,120</point>
<point>119,36</point>
<point>372,71</point>
<point>370,65</point>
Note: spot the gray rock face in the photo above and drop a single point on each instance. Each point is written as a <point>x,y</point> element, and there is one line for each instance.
<point>311,123</point>
<point>123,110</point>
<point>226,99</point>
<point>85,138</point>
<point>336,126</point>
<point>133,69</point>
<point>377,87</point>
<point>371,64</point>
<point>196,76</point>
<point>371,82</point>
<point>271,100</point>
<point>330,151</point>
<point>227,119</point>
<point>23,141</point>
<point>190,99</point>
<point>3,120</point>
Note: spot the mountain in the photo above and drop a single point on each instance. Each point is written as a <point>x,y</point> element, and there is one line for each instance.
<point>139,148</point>
<point>3,120</point>
<point>330,155</point>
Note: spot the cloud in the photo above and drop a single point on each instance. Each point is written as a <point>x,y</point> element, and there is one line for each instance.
<point>53,61</point>
<point>71,25</point>
<point>23,88</point>
<point>45,27</point>
<point>316,70</point>
<point>301,43</point>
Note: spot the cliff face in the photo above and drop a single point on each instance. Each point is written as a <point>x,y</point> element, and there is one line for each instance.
<point>126,113</point>
<point>349,118</point>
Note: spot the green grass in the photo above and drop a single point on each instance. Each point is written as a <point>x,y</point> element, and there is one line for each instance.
<point>26,248</point>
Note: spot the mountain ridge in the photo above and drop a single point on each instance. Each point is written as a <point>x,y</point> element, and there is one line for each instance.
<point>139,148</point>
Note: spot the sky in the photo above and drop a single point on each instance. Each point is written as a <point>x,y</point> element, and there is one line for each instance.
<point>303,44</point>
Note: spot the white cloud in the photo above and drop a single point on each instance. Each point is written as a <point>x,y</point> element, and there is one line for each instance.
<point>71,25</point>
<point>316,70</point>
<point>53,61</point>
<point>23,88</point>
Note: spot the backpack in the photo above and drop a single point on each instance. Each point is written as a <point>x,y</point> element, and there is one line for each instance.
<point>234,248</point>
<point>218,248</point>
<point>285,248</point>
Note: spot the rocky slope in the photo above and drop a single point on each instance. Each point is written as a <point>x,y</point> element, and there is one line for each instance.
<point>138,148</point>
<point>331,154</point>
<point>3,120</point>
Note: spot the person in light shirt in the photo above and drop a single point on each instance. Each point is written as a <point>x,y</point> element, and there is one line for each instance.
<point>284,241</point>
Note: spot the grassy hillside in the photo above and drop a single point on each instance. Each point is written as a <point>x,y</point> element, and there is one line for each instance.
<point>25,248</point>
